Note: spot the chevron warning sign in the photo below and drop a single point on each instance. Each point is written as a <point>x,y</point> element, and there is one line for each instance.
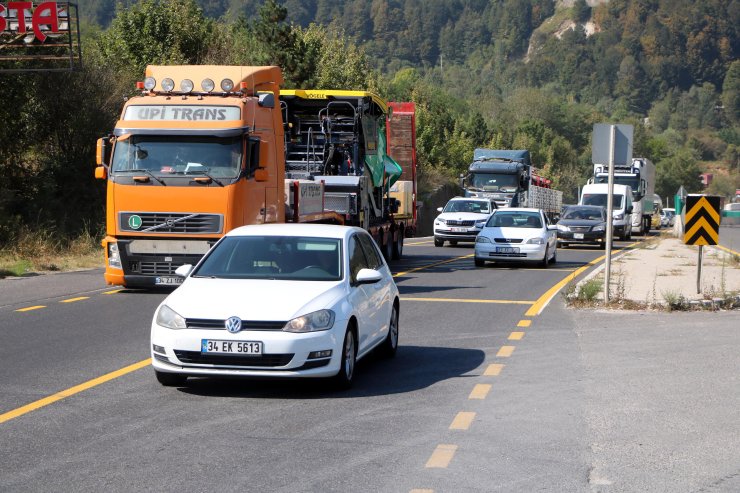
<point>702,220</point>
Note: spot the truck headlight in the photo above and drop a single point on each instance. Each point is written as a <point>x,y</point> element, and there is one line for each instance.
<point>167,317</point>
<point>318,320</point>
<point>114,256</point>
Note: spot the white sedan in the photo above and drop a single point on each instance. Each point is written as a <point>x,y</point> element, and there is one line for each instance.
<point>282,300</point>
<point>517,235</point>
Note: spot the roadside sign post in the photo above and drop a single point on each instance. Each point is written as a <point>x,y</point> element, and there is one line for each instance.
<point>701,226</point>
<point>611,144</point>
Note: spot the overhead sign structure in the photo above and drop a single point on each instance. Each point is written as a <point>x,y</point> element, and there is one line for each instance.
<point>602,144</point>
<point>39,37</point>
<point>702,220</point>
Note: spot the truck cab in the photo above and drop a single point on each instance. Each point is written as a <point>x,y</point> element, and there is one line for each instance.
<point>499,175</point>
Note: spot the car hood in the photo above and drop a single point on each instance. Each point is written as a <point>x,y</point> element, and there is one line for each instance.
<point>513,233</point>
<point>581,222</point>
<point>463,216</point>
<point>252,299</point>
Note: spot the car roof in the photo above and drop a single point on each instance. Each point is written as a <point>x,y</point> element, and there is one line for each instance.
<point>578,206</point>
<point>479,199</point>
<point>518,209</point>
<point>296,229</point>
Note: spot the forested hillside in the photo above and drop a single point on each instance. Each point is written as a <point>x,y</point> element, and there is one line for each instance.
<point>533,74</point>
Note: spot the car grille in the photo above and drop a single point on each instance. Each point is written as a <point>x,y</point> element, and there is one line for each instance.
<point>166,222</point>
<point>209,324</point>
<point>580,229</point>
<point>508,240</point>
<point>264,361</point>
<point>455,222</point>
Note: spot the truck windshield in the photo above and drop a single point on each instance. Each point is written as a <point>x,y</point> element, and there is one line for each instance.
<point>600,199</point>
<point>494,182</point>
<point>219,157</point>
<point>631,181</point>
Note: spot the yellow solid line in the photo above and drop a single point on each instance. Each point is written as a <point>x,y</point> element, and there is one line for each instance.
<point>480,391</point>
<point>72,300</point>
<point>505,351</point>
<point>442,456</point>
<point>493,370</point>
<point>428,242</point>
<point>462,421</point>
<point>29,308</point>
<point>72,391</point>
<point>417,490</point>
<point>726,249</point>
<point>456,300</point>
<point>524,323</point>
<point>113,292</point>
<point>432,265</point>
<point>516,336</point>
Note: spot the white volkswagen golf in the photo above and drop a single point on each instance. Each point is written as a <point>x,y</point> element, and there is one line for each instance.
<point>282,300</point>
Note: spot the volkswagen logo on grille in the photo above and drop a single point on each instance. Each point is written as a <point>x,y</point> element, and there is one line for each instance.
<point>233,324</point>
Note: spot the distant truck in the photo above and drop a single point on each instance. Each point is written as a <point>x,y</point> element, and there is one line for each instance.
<point>509,179</point>
<point>201,150</point>
<point>640,177</point>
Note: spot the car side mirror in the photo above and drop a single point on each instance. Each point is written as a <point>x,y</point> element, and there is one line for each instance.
<point>184,270</point>
<point>368,276</point>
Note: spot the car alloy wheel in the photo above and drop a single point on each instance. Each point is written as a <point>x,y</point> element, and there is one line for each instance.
<point>390,343</point>
<point>343,379</point>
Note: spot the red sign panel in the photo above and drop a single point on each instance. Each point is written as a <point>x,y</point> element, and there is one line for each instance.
<point>44,18</point>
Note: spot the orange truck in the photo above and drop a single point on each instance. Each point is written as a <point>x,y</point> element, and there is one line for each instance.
<point>187,164</point>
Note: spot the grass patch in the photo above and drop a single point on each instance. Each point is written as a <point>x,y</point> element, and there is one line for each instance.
<point>43,251</point>
<point>675,301</point>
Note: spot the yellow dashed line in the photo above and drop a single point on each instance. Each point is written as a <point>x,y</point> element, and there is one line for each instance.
<point>462,421</point>
<point>516,336</point>
<point>480,391</point>
<point>524,323</point>
<point>442,456</point>
<point>493,370</point>
<point>113,292</point>
<point>72,300</point>
<point>456,300</point>
<point>432,265</point>
<point>505,351</point>
<point>29,308</point>
<point>72,391</point>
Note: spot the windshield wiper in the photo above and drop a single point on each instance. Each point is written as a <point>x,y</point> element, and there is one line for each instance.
<point>204,172</point>
<point>475,189</point>
<point>148,172</point>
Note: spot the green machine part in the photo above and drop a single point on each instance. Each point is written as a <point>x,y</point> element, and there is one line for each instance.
<point>384,170</point>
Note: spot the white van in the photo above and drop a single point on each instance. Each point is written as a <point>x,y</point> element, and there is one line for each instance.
<point>597,194</point>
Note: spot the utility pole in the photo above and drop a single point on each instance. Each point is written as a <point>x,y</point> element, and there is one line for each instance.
<point>609,217</point>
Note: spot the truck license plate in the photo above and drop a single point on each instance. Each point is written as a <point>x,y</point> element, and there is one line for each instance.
<point>230,347</point>
<point>168,280</point>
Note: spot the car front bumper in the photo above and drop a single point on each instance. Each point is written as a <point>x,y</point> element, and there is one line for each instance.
<point>587,237</point>
<point>284,354</point>
<point>456,234</point>
<point>523,252</point>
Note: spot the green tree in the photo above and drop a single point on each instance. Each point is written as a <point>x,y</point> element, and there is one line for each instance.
<point>731,93</point>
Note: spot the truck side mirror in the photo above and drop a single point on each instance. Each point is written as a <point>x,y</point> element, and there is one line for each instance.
<point>102,151</point>
<point>462,180</point>
<point>101,173</point>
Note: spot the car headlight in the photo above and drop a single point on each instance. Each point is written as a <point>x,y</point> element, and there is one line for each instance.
<point>618,217</point>
<point>536,241</point>
<point>482,239</point>
<point>440,222</point>
<point>563,227</point>
<point>167,317</point>
<point>480,224</point>
<point>599,227</point>
<point>319,320</point>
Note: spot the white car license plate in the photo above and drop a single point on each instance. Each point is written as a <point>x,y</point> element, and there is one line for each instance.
<point>459,230</point>
<point>577,236</point>
<point>168,280</point>
<point>507,250</point>
<point>230,347</point>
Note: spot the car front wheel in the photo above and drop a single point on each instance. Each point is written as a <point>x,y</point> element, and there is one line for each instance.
<point>389,346</point>
<point>545,260</point>
<point>438,242</point>
<point>343,379</point>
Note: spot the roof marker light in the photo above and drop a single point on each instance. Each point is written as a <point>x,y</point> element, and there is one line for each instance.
<point>208,85</point>
<point>168,84</point>
<point>227,85</point>
<point>139,85</point>
<point>186,85</point>
<point>150,83</point>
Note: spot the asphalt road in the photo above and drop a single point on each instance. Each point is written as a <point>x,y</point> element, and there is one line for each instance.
<point>481,396</point>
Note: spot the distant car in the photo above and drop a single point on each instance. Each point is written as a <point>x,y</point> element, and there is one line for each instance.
<point>461,219</point>
<point>278,301</point>
<point>517,235</point>
<point>667,217</point>
<point>582,224</point>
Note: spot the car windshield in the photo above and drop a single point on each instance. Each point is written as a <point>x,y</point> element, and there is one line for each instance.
<point>600,199</point>
<point>219,157</point>
<point>478,206</point>
<point>515,220</point>
<point>585,213</point>
<point>494,182</point>
<point>295,258</point>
